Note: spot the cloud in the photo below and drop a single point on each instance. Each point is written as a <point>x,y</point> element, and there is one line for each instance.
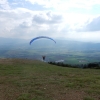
<point>94,25</point>
<point>90,25</point>
<point>4,4</point>
<point>47,18</point>
<point>84,36</point>
<point>24,23</point>
<point>41,24</point>
<point>11,19</point>
<point>66,4</point>
<point>57,18</point>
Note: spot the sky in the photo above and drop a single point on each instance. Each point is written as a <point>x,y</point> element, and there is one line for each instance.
<point>60,19</point>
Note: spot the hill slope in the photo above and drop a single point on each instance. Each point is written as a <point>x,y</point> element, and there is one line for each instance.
<point>23,79</point>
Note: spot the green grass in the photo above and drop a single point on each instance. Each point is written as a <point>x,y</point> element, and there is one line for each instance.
<point>22,79</point>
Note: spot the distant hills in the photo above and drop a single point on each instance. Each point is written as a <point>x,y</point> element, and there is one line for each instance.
<point>45,43</point>
<point>67,50</point>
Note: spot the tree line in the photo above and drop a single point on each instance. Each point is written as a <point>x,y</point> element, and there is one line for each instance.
<point>95,65</point>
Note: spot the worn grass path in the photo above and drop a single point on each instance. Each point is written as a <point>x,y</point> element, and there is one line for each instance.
<point>22,79</point>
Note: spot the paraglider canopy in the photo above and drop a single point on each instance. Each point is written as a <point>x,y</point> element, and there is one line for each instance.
<point>39,37</point>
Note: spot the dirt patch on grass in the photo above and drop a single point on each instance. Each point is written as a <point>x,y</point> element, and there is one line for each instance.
<point>6,61</point>
<point>68,95</point>
<point>8,92</point>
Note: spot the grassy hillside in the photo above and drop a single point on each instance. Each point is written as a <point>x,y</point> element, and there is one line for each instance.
<point>23,79</point>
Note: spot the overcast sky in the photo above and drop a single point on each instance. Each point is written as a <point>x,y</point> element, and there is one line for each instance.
<point>64,19</point>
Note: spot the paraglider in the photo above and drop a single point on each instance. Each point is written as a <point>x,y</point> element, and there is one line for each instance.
<point>39,37</point>
<point>43,57</point>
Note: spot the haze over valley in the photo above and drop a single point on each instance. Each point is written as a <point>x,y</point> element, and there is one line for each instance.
<point>71,52</point>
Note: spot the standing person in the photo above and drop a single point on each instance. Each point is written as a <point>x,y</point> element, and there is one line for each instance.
<point>43,58</point>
